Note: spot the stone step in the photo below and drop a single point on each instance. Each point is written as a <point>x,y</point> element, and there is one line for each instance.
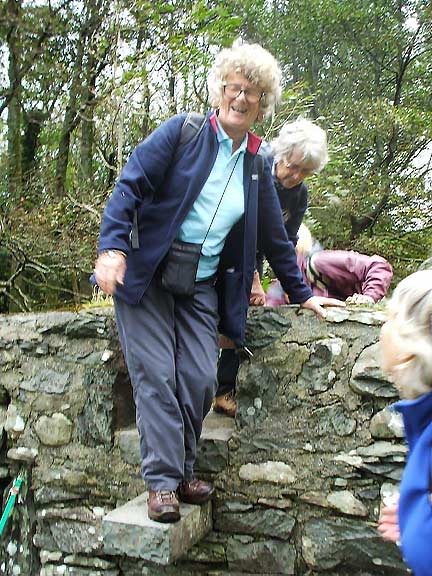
<point>212,456</point>
<point>127,530</point>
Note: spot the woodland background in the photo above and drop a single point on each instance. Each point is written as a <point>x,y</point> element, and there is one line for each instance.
<point>82,82</point>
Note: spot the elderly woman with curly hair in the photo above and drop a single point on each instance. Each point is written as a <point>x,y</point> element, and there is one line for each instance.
<point>195,208</point>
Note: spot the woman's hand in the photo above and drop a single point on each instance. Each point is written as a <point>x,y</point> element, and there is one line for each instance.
<point>257,297</point>
<point>316,303</point>
<point>110,269</point>
<point>388,525</point>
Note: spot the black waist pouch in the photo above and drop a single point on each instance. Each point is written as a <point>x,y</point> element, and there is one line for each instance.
<point>179,268</point>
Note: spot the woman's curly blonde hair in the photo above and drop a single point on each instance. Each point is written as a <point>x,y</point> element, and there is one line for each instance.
<point>259,67</point>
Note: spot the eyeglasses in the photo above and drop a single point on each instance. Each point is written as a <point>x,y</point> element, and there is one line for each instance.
<point>298,168</point>
<point>252,95</point>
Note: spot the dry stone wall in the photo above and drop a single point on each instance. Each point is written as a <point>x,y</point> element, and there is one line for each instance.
<point>298,484</point>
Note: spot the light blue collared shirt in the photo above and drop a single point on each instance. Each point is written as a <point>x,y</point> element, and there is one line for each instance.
<point>231,208</point>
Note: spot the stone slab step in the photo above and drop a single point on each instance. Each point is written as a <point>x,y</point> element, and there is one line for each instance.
<point>127,530</point>
<point>213,452</point>
<point>212,456</point>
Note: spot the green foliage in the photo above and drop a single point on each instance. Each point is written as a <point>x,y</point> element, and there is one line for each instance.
<point>96,77</point>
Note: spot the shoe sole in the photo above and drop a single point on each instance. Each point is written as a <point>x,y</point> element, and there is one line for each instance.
<point>195,501</point>
<point>166,518</point>
<point>223,411</point>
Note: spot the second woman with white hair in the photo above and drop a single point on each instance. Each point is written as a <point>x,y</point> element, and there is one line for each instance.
<point>189,270</point>
<point>299,151</point>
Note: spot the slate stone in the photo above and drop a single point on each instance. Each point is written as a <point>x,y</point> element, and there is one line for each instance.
<point>344,501</point>
<point>128,530</point>
<point>273,523</point>
<point>63,570</point>
<point>54,430</point>
<point>270,471</point>
<point>392,472</point>
<point>331,543</point>
<point>367,378</point>
<point>47,380</point>
<point>54,322</point>
<point>319,371</point>
<point>4,394</point>
<point>387,424</point>
<point>333,419</point>
<point>4,472</point>
<point>94,424</point>
<point>85,325</point>
<point>212,452</point>
<point>3,418</point>
<point>85,561</point>
<point>129,445</point>
<point>367,316</point>
<point>234,506</point>
<point>261,557</point>
<point>46,556</point>
<point>267,326</point>
<point>381,449</point>
<point>134,567</point>
<point>207,552</point>
<point>280,503</point>
<point>48,494</point>
<point>71,530</point>
<point>22,454</point>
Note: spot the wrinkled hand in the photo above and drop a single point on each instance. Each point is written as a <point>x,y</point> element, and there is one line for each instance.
<point>257,297</point>
<point>388,525</point>
<point>110,271</point>
<point>316,303</point>
<point>360,299</point>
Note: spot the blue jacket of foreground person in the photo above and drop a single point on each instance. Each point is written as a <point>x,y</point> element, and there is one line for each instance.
<point>162,183</point>
<point>415,505</point>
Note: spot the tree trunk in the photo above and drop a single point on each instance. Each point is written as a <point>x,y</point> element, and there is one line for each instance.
<point>87,125</point>
<point>33,122</point>
<point>14,168</point>
<point>71,119</point>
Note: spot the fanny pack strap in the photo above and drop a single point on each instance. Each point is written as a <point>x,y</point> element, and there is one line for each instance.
<point>220,200</point>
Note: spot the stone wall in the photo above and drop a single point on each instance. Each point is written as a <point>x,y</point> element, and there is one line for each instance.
<point>298,484</point>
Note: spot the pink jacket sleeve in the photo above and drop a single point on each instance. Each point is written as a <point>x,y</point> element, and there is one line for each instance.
<point>350,272</point>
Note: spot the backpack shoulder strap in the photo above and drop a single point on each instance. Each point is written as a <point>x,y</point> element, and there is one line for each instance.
<point>191,127</point>
<point>260,165</point>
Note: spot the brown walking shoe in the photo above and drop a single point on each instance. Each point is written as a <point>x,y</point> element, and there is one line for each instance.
<point>163,506</point>
<point>226,404</point>
<point>195,491</point>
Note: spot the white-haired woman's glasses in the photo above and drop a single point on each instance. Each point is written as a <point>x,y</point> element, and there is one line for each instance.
<point>298,168</point>
<point>252,95</point>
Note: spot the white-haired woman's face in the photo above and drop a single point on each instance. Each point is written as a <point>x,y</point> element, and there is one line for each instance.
<point>291,171</point>
<point>392,355</point>
<point>240,105</point>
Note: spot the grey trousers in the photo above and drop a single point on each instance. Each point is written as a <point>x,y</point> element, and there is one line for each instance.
<point>171,349</point>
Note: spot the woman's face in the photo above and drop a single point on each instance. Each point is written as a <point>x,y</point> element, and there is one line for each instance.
<point>392,354</point>
<point>237,113</point>
<point>389,352</point>
<point>291,171</point>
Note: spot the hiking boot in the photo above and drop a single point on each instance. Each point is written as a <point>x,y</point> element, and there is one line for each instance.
<point>225,404</point>
<point>163,506</point>
<point>195,491</point>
